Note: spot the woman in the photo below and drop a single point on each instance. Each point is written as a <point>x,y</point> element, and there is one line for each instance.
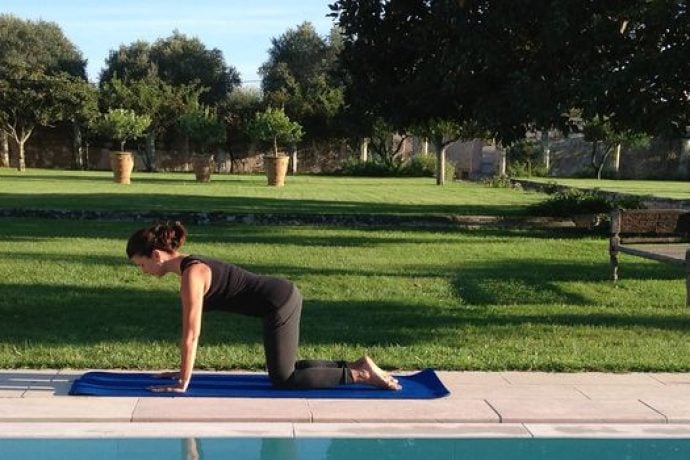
<point>208,284</point>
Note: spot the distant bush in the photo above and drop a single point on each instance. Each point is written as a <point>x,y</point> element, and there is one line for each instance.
<point>524,160</point>
<point>499,181</point>
<point>520,169</point>
<point>418,166</point>
<point>574,201</point>
<point>354,167</point>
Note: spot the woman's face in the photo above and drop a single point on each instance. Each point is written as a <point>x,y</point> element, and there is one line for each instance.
<point>149,265</point>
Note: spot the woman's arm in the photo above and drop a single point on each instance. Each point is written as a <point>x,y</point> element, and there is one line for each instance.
<point>194,284</point>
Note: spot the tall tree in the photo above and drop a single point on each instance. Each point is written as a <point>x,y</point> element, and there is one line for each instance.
<point>129,63</point>
<point>648,74</point>
<point>300,77</point>
<point>181,60</point>
<point>162,79</point>
<point>605,138</point>
<point>238,111</point>
<point>161,102</point>
<point>42,78</point>
<point>510,67</point>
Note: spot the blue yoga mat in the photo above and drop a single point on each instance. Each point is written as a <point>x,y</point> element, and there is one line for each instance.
<point>422,385</point>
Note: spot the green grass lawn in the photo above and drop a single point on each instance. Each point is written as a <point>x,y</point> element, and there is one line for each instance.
<point>411,298</point>
<point>663,189</point>
<point>93,190</point>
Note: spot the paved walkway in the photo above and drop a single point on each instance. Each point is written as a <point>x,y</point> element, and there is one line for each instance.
<point>481,403</point>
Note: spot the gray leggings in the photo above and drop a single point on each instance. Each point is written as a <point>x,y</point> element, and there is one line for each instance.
<point>281,339</point>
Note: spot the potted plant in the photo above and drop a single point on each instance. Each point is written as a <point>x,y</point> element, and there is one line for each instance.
<point>122,125</point>
<point>272,125</point>
<point>205,133</point>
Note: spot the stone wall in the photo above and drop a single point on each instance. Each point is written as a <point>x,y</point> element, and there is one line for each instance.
<point>570,156</point>
<point>52,148</point>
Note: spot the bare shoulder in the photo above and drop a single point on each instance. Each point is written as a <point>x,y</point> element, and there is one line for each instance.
<point>198,274</point>
<point>196,269</point>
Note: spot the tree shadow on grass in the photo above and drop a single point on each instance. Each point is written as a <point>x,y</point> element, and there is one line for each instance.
<point>85,316</point>
<point>45,230</point>
<point>534,281</point>
<point>138,177</point>
<point>172,202</point>
<point>48,314</point>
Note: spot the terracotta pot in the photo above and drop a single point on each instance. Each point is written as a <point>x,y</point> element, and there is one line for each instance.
<point>276,169</point>
<point>202,168</point>
<point>122,164</point>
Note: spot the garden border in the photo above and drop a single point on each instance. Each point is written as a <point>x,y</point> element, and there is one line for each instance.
<point>351,220</point>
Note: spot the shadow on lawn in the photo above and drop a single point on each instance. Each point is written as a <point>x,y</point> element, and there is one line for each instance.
<point>69,314</point>
<point>534,281</point>
<point>171,202</point>
<point>37,230</point>
<point>137,178</point>
<point>48,314</point>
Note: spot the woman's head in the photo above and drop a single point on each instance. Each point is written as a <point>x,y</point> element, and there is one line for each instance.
<point>162,237</point>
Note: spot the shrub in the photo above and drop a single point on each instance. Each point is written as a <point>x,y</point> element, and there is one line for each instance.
<point>498,181</point>
<point>122,125</point>
<point>574,201</point>
<point>274,125</point>
<point>526,169</point>
<point>357,168</point>
<point>203,129</point>
<point>418,166</point>
<point>524,160</point>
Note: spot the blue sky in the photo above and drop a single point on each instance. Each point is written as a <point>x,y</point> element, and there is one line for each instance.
<point>241,29</point>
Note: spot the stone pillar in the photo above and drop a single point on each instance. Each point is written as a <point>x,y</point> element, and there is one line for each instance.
<point>293,165</point>
<point>501,169</point>
<point>4,149</point>
<point>425,146</point>
<point>546,148</point>
<point>364,150</point>
<point>684,160</point>
<point>616,159</point>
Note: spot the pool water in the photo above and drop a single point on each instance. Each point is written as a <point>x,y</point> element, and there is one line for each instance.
<point>344,449</point>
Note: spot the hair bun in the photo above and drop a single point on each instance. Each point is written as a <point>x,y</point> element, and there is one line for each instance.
<point>179,235</point>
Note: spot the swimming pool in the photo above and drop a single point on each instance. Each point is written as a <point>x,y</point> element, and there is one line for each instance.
<point>343,449</point>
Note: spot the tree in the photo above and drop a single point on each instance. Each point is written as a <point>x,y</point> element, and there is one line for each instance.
<point>237,111</point>
<point>385,147</point>
<point>300,76</point>
<point>181,60</point>
<point>129,63</point>
<point>150,96</point>
<point>645,77</point>
<point>509,69</point>
<point>42,78</point>
<point>203,128</point>
<point>273,125</point>
<point>605,138</point>
<point>82,110</point>
<point>163,79</point>
<point>403,62</point>
<point>122,125</point>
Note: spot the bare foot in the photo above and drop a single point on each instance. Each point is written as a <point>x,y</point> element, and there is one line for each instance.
<point>369,373</point>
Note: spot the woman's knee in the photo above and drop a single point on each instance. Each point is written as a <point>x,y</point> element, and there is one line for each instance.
<point>282,379</point>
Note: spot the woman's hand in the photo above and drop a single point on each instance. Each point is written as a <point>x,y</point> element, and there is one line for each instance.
<point>168,375</point>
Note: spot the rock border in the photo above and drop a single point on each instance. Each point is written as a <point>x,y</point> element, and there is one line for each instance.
<point>347,220</point>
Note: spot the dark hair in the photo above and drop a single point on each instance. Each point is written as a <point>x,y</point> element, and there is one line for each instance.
<point>164,237</point>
